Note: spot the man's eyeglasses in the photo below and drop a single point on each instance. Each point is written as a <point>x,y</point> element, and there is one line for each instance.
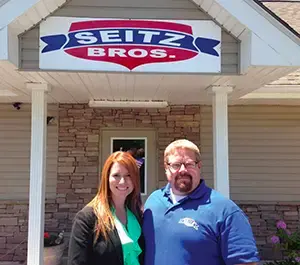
<point>176,166</point>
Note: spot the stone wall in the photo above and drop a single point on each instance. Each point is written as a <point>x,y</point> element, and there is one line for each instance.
<point>13,230</point>
<point>13,225</point>
<point>78,163</point>
<point>263,218</point>
<point>79,146</point>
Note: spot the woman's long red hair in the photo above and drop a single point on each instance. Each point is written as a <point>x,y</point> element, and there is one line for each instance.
<point>102,202</point>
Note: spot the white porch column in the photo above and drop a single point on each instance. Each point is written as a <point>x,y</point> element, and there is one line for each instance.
<point>220,139</point>
<point>37,173</point>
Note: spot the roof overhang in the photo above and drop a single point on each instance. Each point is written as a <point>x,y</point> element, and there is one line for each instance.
<point>9,46</point>
<point>265,42</point>
<point>17,17</point>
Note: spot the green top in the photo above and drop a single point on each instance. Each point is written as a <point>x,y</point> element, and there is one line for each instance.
<point>129,237</point>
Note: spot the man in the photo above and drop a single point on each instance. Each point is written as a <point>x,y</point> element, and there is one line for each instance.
<point>188,223</point>
<point>140,157</point>
<point>132,151</point>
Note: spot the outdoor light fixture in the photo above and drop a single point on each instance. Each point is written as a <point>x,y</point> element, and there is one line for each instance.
<point>127,104</point>
<point>50,119</point>
<point>17,105</point>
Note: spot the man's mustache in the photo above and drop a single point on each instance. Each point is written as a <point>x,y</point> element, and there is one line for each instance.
<point>179,176</point>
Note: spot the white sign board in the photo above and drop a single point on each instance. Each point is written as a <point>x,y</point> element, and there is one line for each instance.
<point>124,45</point>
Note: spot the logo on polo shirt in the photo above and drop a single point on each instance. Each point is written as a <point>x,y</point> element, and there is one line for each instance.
<point>189,222</point>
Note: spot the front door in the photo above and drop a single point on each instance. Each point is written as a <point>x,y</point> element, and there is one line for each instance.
<point>142,145</point>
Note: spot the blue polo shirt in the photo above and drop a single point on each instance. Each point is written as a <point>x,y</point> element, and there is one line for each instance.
<point>204,228</point>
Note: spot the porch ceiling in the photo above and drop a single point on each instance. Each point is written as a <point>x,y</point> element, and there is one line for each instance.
<point>80,87</point>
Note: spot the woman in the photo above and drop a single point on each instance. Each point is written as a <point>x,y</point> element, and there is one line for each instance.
<point>107,230</point>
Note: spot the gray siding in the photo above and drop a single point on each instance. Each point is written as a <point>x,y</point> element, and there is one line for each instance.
<point>264,152</point>
<point>156,9</point>
<point>15,127</point>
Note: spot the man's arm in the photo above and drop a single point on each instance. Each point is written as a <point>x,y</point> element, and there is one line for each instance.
<point>238,245</point>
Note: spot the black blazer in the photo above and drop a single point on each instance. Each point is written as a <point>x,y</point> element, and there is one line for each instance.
<point>83,251</point>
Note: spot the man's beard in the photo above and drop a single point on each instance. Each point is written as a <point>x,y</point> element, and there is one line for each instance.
<point>183,183</point>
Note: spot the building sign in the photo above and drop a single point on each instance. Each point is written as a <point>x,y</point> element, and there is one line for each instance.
<point>130,45</point>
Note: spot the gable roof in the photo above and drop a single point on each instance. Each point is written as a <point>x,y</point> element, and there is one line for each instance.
<point>289,14</point>
<point>286,12</point>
